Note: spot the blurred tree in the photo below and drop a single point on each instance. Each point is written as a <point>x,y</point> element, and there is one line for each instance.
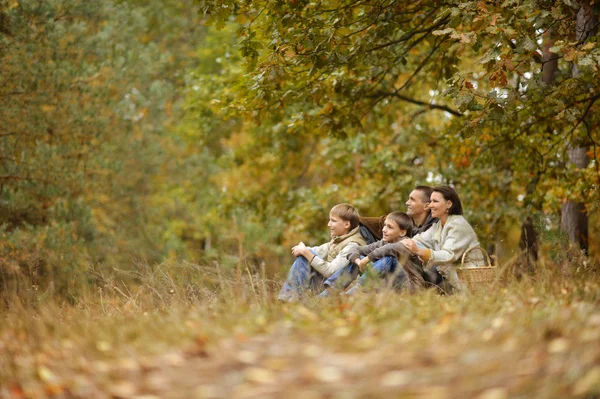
<point>87,93</point>
<point>574,217</point>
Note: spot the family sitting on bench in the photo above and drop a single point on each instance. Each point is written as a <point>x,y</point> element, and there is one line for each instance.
<point>411,250</point>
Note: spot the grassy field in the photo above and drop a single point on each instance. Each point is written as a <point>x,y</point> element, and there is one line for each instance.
<point>172,335</point>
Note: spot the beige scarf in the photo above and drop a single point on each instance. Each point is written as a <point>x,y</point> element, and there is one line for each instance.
<point>338,243</point>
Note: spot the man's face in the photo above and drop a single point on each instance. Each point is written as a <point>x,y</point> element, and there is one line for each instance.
<point>337,226</point>
<point>416,204</point>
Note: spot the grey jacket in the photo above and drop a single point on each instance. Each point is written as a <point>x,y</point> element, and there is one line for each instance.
<point>380,249</point>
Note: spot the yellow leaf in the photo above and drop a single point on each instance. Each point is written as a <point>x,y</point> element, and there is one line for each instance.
<point>45,374</point>
<point>591,381</point>
<point>571,55</point>
<point>494,393</point>
<point>559,345</point>
<point>260,375</point>
<point>589,46</point>
<point>47,108</point>
<point>395,378</point>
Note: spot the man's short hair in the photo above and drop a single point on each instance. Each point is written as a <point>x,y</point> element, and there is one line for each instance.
<point>403,221</point>
<point>426,191</point>
<point>347,213</point>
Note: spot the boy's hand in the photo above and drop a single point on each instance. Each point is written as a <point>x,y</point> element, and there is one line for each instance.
<point>362,263</point>
<point>299,249</point>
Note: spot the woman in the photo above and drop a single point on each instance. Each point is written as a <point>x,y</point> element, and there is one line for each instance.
<point>443,245</point>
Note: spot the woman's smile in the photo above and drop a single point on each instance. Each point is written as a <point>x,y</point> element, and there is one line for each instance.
<point>439,206</point>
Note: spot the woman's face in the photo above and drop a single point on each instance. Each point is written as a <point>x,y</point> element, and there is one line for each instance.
<point>391,231</point>
<point>439,206</point>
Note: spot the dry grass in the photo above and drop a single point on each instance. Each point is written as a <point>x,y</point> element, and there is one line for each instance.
<point>181,330</point>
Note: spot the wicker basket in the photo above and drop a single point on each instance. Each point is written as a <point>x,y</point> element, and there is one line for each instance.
<point>476,277</point>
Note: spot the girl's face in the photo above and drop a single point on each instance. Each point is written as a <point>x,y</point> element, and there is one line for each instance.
<point>391,231</point>
<point>439,206</point>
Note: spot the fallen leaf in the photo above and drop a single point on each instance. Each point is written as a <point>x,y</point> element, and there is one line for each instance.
<point>174,359</point>
<point>123,389</point>
<point>247,357</point>
<point>559,345</point>
<point>342,332</point>
<point>259,375</point>
<point>395,378</point>
<point>534,300</point>
<point>494,393</point>
<point>312,351</point>
<point>45,374</point>
<point>103,346</point>
<point>590,383</point>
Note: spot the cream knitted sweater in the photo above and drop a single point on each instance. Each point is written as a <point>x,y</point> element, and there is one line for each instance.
<point>332,255</point>
<point>448,243</point>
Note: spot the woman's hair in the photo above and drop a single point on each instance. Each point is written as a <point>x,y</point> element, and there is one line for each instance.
<point>450,195</point>
<point>403,221</point>
<point>347,213</point>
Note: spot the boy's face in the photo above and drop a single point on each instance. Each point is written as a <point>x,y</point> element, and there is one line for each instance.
<point>337,226</point>
<point>391,231</point>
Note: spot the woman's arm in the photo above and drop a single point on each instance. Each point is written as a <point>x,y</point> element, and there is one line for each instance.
<point>425,239</point>
<point>412,247</point>
<point>459,237</point>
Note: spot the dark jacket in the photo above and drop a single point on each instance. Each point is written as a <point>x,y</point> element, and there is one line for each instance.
<point>425,226</point>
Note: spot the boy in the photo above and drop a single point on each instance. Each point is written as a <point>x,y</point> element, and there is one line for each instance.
<point>313,265</point>
<point>383,253</point>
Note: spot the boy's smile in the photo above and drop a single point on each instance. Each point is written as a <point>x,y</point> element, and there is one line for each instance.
<point>337,226</point>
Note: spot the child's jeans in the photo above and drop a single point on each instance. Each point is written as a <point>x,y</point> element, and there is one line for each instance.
<point>381,267</point>
<point>301,278</point>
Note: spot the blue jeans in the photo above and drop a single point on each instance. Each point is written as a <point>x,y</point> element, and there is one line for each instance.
<point>381,267</point>
<point>301,278</point>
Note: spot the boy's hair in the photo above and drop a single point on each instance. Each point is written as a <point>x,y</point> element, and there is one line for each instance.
<point>347,213</point>
<point>403,221</point>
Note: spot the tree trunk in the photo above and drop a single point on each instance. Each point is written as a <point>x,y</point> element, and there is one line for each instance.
<point>574,218</point>
<point>549,59</point>
<point>528,242</point>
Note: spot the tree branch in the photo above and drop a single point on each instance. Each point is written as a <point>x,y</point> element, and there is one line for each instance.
<point>417,102</point>
<point>410,34</point>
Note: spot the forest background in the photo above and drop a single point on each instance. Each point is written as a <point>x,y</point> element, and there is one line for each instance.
<point>158,160</point>
<point>223,131</point>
